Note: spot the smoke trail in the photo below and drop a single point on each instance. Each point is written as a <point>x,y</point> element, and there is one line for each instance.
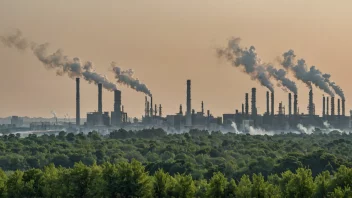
<point>57,60</point>
<point>309,77</point>
<point>126,77</point>
<point>335,87</point>
<point>248,59</point>
<point>280,76</point>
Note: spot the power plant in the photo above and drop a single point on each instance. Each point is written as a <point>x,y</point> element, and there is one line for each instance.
<point>282,119</point>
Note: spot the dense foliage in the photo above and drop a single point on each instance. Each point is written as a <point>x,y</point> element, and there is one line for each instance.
<point>126,179</point>
<point>197,153</point>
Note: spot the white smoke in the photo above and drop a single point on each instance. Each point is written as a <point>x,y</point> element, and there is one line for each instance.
<point>234,126</point>
<point>305,130</point>
<point>57,61</point>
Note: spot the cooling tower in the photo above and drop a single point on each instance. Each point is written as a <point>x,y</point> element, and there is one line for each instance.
<point>78,113</point>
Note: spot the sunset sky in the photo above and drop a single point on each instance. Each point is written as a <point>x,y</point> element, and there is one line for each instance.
<point>167,42</point>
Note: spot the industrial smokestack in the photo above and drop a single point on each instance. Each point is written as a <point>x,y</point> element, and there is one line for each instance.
<point>151,106</point>
<point>338,107</point>
<point>327,106</point>
<point>189,107</point>
<point>246,103</point>
<point>145,106</point>
<point>148,114</point>
<point>254,102</point>
<point>332,106</point>
<point>343,107</point>
<point>100,98</point>
<point>289,104</point>
<point>155,110</point>
<point>181,111</point>
<point>323,106</point>
<point>117,107</point>
<point>295,102</point>
<point>272,104</point>
<point>267,103</point>
<point>242,109</point>
<point>160,111</point>
<point>202,108</point>
<point>78,113</point>
<point>310,103</point>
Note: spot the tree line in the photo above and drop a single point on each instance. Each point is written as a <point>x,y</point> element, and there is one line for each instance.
<point>130,179</point>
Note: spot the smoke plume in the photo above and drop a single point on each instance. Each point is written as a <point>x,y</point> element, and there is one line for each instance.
<point>126,77</point>
<point>301,72</point>
<point>57,61</point>
<point>248,59</point>
<point>280,76</point>
<point>335,87</point>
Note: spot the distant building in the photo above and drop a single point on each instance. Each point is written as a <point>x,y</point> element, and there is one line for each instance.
<point>16,121</point>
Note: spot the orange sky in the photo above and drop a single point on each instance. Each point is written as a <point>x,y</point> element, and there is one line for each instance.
<point>166,43</point>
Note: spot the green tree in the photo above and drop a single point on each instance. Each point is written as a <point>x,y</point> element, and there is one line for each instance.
<point>3,184</point>
<point>217,186</point>
<point>15,185</point>
<point>244,187</point>
<point>184,186</point>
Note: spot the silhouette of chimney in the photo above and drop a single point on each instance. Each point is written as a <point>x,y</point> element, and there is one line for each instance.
<point>272,104</point>
<point>295,102</point>
<point>254,102</point>
<point>323,106</point>
<point>289,104</point>
<point>78,111</point>
<point>189,107</point>
<point>100,98</point>
<point>332,106</point>
<point>267,103</point>
<point>327,106</point>
<point>117,107</point>
<point>343,107</point>
<point>246,103</point>
<point>338,107</point>
<point>160,111</point>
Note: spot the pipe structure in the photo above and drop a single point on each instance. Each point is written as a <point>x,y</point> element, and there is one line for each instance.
<point>78,111</point>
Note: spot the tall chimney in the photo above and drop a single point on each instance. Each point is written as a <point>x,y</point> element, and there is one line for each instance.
<point>189,107</point>
<point>242,109</point>
<point>327,106</point>
<point>155,110</point>
<point>267,103</point>
<point>146,108</point>
<point>78,111</point>
<point>295,102</point>
<point>181,112</point>
<point>151,106</point>
<point>246,104</point>
<point>254,102</point>
<point>202,108</point>
<point>272,104</point>
<point>338,107</point>
<point>343,107</point>
<point>100,98</point>
<point>117,107</point>
<point>323,106</point>
<point>310,103</point>
<point>160,111</point>
<point>208,113</point>
<point>332,106</point>
<point>289,104</point>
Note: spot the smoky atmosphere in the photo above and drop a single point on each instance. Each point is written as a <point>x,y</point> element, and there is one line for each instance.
<point>175,99</point>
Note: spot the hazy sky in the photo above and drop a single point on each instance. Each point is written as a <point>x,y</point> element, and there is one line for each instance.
<point>167,42</point>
